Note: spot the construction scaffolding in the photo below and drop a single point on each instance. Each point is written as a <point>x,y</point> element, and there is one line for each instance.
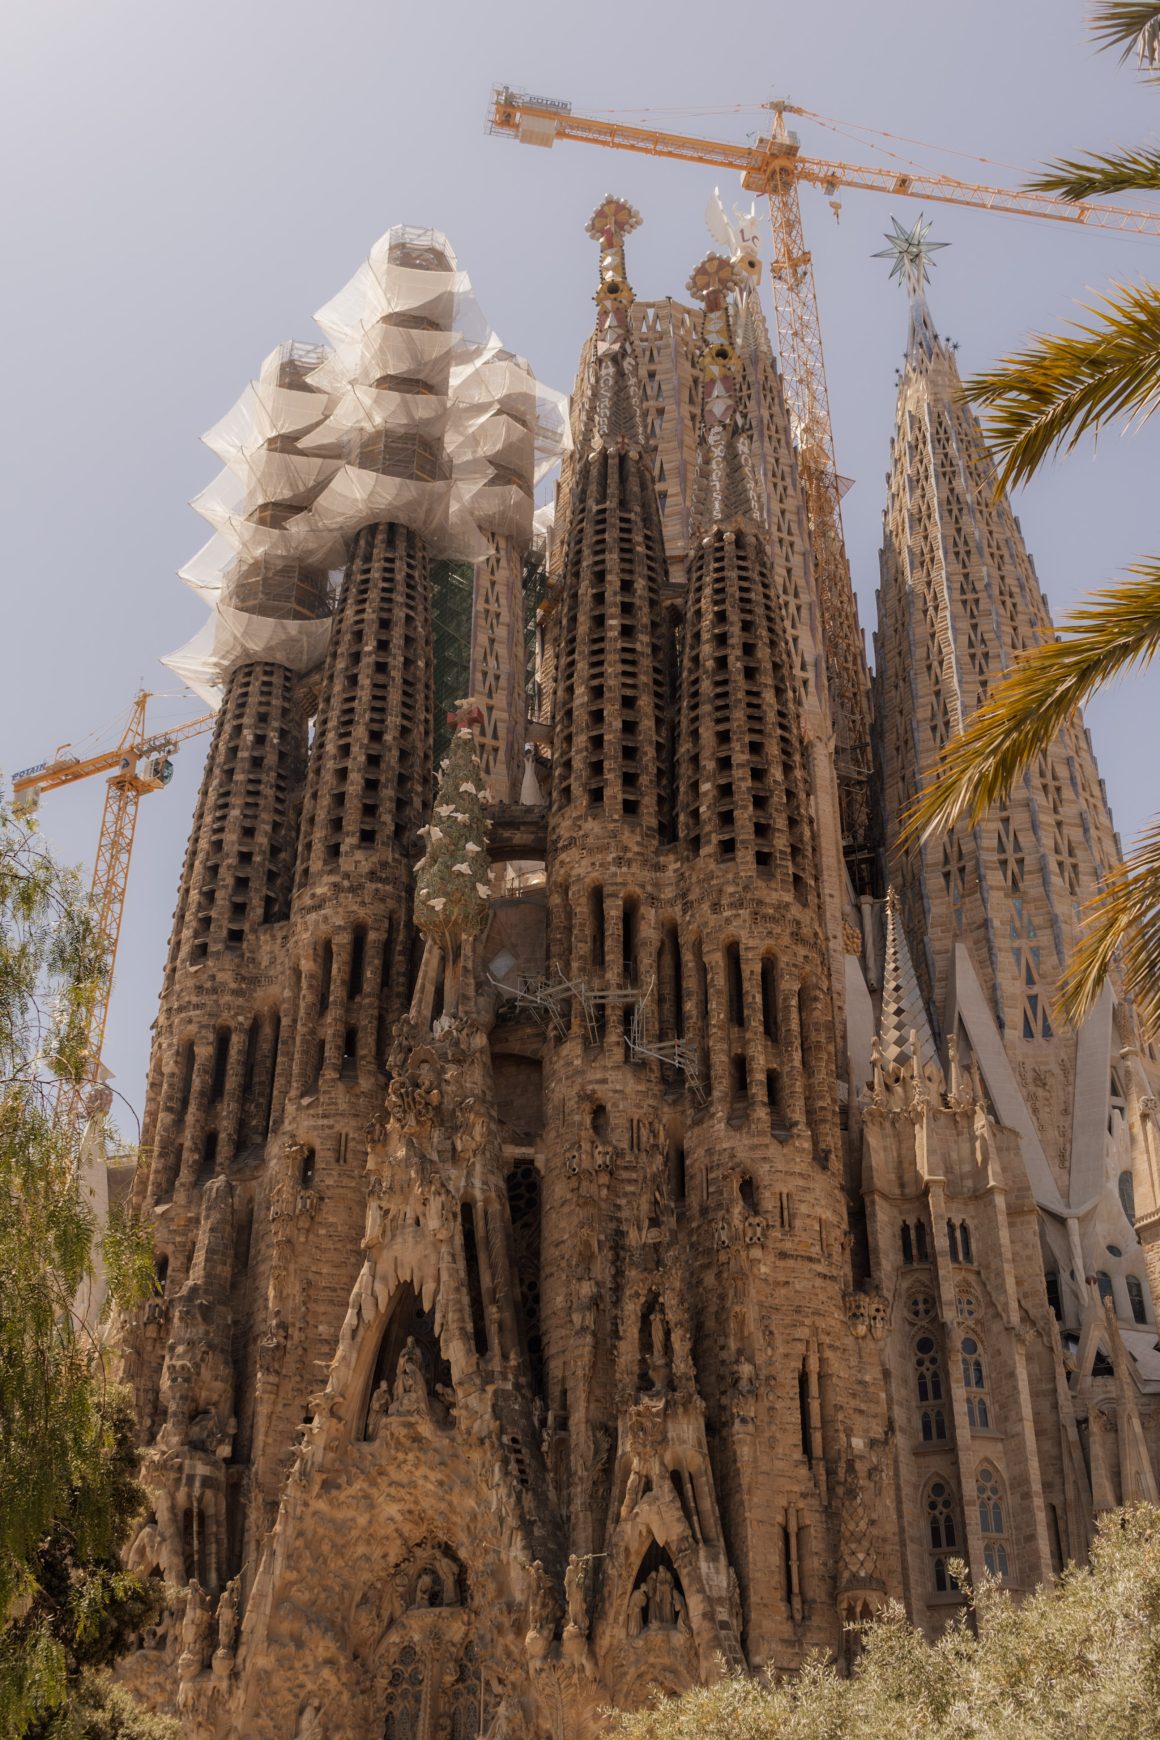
<point>452,601</point>
<point>413,412</point>
<point>549,1001</point>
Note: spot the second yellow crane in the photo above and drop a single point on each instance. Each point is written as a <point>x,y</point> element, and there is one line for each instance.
<point>137,763</point>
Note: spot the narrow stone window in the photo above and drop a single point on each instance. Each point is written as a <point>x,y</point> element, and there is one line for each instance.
<point>1136,1298</point>
<point>1054,1298</point>
<point>769,997</point>
<point>187,1061</point>
<point>358,955</point>
<point>943,1533</point>
<point>596,928</point>
<point>992,1524</point>
<point>630,939</point>
<point>804,1413</point>
<point>734,985</point>
<point>221,1060</point>
<point>975,1384</point>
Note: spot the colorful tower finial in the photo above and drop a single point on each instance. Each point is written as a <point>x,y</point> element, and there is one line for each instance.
<point>726,486</point>
<point>911,253</point>
<point>710,284</point>
<point>612,220</point>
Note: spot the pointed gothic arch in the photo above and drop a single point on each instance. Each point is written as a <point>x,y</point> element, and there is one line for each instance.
<point>657,1597</point>
<point>406,1321</point>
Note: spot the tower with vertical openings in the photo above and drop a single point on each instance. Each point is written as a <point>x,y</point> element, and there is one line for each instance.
<point>602,1235</point>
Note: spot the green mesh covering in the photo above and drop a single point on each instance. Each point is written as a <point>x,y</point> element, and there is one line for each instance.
<point>452,588</point>
<point>535,591</point>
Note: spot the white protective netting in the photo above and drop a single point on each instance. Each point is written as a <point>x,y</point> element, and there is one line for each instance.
<point>412,412</point>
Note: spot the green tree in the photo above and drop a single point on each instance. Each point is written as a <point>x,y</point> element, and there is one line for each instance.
<point>68,1490</point>
<point>1041,401</point>
<point>1077,1659</point>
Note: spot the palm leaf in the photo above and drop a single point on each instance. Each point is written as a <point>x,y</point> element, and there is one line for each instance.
<point>1087,178</point>
<point>1115,630</point>
<point>1129,25</point>
<point>1065,384</point>
<point>1122,927</point>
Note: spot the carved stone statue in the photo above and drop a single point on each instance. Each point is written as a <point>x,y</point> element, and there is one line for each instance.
<point>637,1607</point>
<point>659,1369</point>
<point>576,1593</point>
<point>410,1392</point>
<point>543,1602</point>
<point>585,1298</point>
<point>661,1589</point>
<point>634,1488</point>
<point>379,1407</point>
<point>744,1375</point>
<point>195,1628</point>
<point>227,1617</point>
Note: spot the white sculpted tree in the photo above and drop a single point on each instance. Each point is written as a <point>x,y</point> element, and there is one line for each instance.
<point>452,894</point>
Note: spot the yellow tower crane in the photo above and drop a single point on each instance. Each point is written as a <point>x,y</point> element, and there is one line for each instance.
<point>136,764</point>
<point>772,167</point>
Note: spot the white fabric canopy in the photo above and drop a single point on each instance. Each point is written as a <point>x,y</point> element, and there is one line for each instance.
<point>326,439</point>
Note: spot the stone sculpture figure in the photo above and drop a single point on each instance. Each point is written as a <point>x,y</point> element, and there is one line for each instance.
<point>410,1392</point>
<point>637,1607</point>
<point>661,1588</point>
<point>576,1593</point>
<point>227,1617</point>
<point>195,1628</point>
<point>543,1604</point>
<point>379,1408</point>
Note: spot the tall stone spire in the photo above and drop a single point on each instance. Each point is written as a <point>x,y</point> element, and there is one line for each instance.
<point>610,755</point>
<point>609,817</point>
<point>743,785</point>
<point>903,1020</point>
<point>614,407</point>
<point>991,913</point>
<point>764,1147</point>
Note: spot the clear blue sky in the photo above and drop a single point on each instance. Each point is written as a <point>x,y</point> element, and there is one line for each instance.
<point>188,183</point>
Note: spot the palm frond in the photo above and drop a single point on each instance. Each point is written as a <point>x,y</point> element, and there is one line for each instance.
<point>1121,927</point>
<point>1089,177</point>
<point>1114,630</point>
<point>1132,26</point>
<point>1047,397</point>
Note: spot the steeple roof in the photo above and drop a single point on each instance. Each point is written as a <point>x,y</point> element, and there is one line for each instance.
<point>726,488</point>
<point>903,1023</point>
<point>613,414</point>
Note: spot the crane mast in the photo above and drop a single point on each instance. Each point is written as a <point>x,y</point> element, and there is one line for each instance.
<point>773,167</point>
<point>803,366</point>
<point>126,786</point>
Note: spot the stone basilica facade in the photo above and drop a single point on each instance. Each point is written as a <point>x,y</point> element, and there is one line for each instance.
<point>617,1214</point>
